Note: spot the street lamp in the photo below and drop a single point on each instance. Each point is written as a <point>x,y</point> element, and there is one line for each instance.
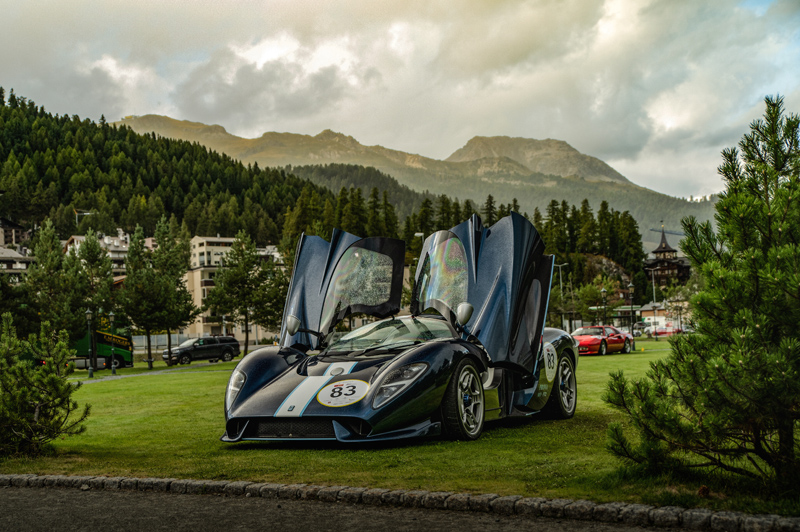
<point>561,290</point>
<point>655,303</point>
<point>603,292</point>
<point>254,326</point>
<point>89,325</point>
<point>630,309</point>
<point>113,332</point>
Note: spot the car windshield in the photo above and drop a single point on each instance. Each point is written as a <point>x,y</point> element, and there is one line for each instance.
<point>392,332</point>
<point>443,277</point>
<point>187,343</point>
<point>588,331</point>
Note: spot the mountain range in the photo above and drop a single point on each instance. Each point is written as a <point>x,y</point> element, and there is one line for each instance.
<point>533,171</point>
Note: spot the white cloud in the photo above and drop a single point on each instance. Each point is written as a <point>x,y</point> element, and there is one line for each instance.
<point>654,87</point>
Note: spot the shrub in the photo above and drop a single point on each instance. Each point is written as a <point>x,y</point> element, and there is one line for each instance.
<point>36,404</point>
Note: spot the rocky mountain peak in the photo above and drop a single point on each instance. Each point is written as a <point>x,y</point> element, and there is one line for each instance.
<point>548,156</point>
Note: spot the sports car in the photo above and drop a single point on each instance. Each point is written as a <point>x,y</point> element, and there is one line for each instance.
<point>473,349</point>
<point>602,339</point>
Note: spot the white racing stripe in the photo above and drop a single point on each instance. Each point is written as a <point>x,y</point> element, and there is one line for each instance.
<point>298,400</point>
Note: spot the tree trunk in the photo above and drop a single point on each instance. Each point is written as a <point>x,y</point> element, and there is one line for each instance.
<point>93,346</point>
<point>149,350</point>
<point>787,469</point>
<point>246,334</point>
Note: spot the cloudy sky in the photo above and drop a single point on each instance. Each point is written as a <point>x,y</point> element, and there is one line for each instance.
<point>655,88</point>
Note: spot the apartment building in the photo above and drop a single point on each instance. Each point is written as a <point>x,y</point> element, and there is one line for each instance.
<point>208,254</point>
<point>115,245</point>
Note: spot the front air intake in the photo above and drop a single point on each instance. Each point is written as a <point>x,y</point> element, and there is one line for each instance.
<point>301,428</point>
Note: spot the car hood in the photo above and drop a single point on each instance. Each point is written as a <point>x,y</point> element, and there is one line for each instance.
<point>502,271</point>
<point>332,280</point>
<point>292,393</point>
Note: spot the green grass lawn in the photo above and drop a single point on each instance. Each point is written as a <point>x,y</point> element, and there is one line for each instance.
<point>168,424</point>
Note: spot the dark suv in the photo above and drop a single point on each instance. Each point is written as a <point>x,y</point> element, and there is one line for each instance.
<point>206,348</point>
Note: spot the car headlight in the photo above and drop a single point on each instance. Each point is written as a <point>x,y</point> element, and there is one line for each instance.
<point>396,381</point>
<point>234,387</point>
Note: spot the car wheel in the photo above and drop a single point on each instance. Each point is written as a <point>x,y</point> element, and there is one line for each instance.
<point>227,356</point>
<point>564,396</point>
<point>463,406</point>
<point>603,349</point>
<point>119,362</point>
<point>627,348</point>
<point>185,359</point>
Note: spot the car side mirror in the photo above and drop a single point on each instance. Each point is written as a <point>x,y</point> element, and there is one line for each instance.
<point>464,313</point>
<point>292,324</point>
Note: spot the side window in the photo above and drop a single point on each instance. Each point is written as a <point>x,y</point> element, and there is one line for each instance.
<point>610,331</point>
<point>200,342</point>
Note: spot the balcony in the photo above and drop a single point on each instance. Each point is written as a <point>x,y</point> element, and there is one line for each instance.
<point>207,283</point>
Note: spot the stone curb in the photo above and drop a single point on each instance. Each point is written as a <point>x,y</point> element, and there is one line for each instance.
<point>630,514</point>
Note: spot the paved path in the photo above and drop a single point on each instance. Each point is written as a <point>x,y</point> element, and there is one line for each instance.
<point>54,509</point>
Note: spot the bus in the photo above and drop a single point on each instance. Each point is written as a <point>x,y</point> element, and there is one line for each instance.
<point>122,346</point>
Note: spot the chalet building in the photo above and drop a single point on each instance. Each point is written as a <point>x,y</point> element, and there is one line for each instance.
<point>13,262</point>
<point>10,233</point>
<point>667,266</point>
<point>116,246</point>
<point>208,254</point>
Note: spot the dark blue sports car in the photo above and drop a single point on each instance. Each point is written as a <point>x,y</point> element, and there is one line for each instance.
<point>474,348</point>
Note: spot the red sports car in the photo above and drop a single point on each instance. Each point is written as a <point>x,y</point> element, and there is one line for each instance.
<point>602,339</point>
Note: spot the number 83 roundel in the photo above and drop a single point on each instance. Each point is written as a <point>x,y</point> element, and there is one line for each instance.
<point>343,393</point>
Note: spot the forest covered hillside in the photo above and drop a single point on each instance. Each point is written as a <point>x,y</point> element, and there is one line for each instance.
<point>61,166</point>
<point>532,171</point>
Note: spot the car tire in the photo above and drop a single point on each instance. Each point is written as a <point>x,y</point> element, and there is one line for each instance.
<point>627,347</point>
<point>564,396</point>
<point>119,362</point>
<point>463,408</point>
<point>603,349</point>
<point>227,356</point>
<point>185,359</point>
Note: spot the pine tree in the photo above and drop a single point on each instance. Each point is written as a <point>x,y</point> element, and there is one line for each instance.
<point>489,211</point>
<point>36,402</point>
<point>728,397</point>
<point>444,213</point>
<point>237,284</point>
<point>354,217</point>
<point>389,217</point>
<point>468,210</point>
<point>171,260</point>
<point>455,214</point>
<point>341,205</point>
<point>146,293</point>
<point>56,289</point>
<point>374,220</point>
<point>425,219</point>
<point>94,272</point>
<point>270,295</point>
